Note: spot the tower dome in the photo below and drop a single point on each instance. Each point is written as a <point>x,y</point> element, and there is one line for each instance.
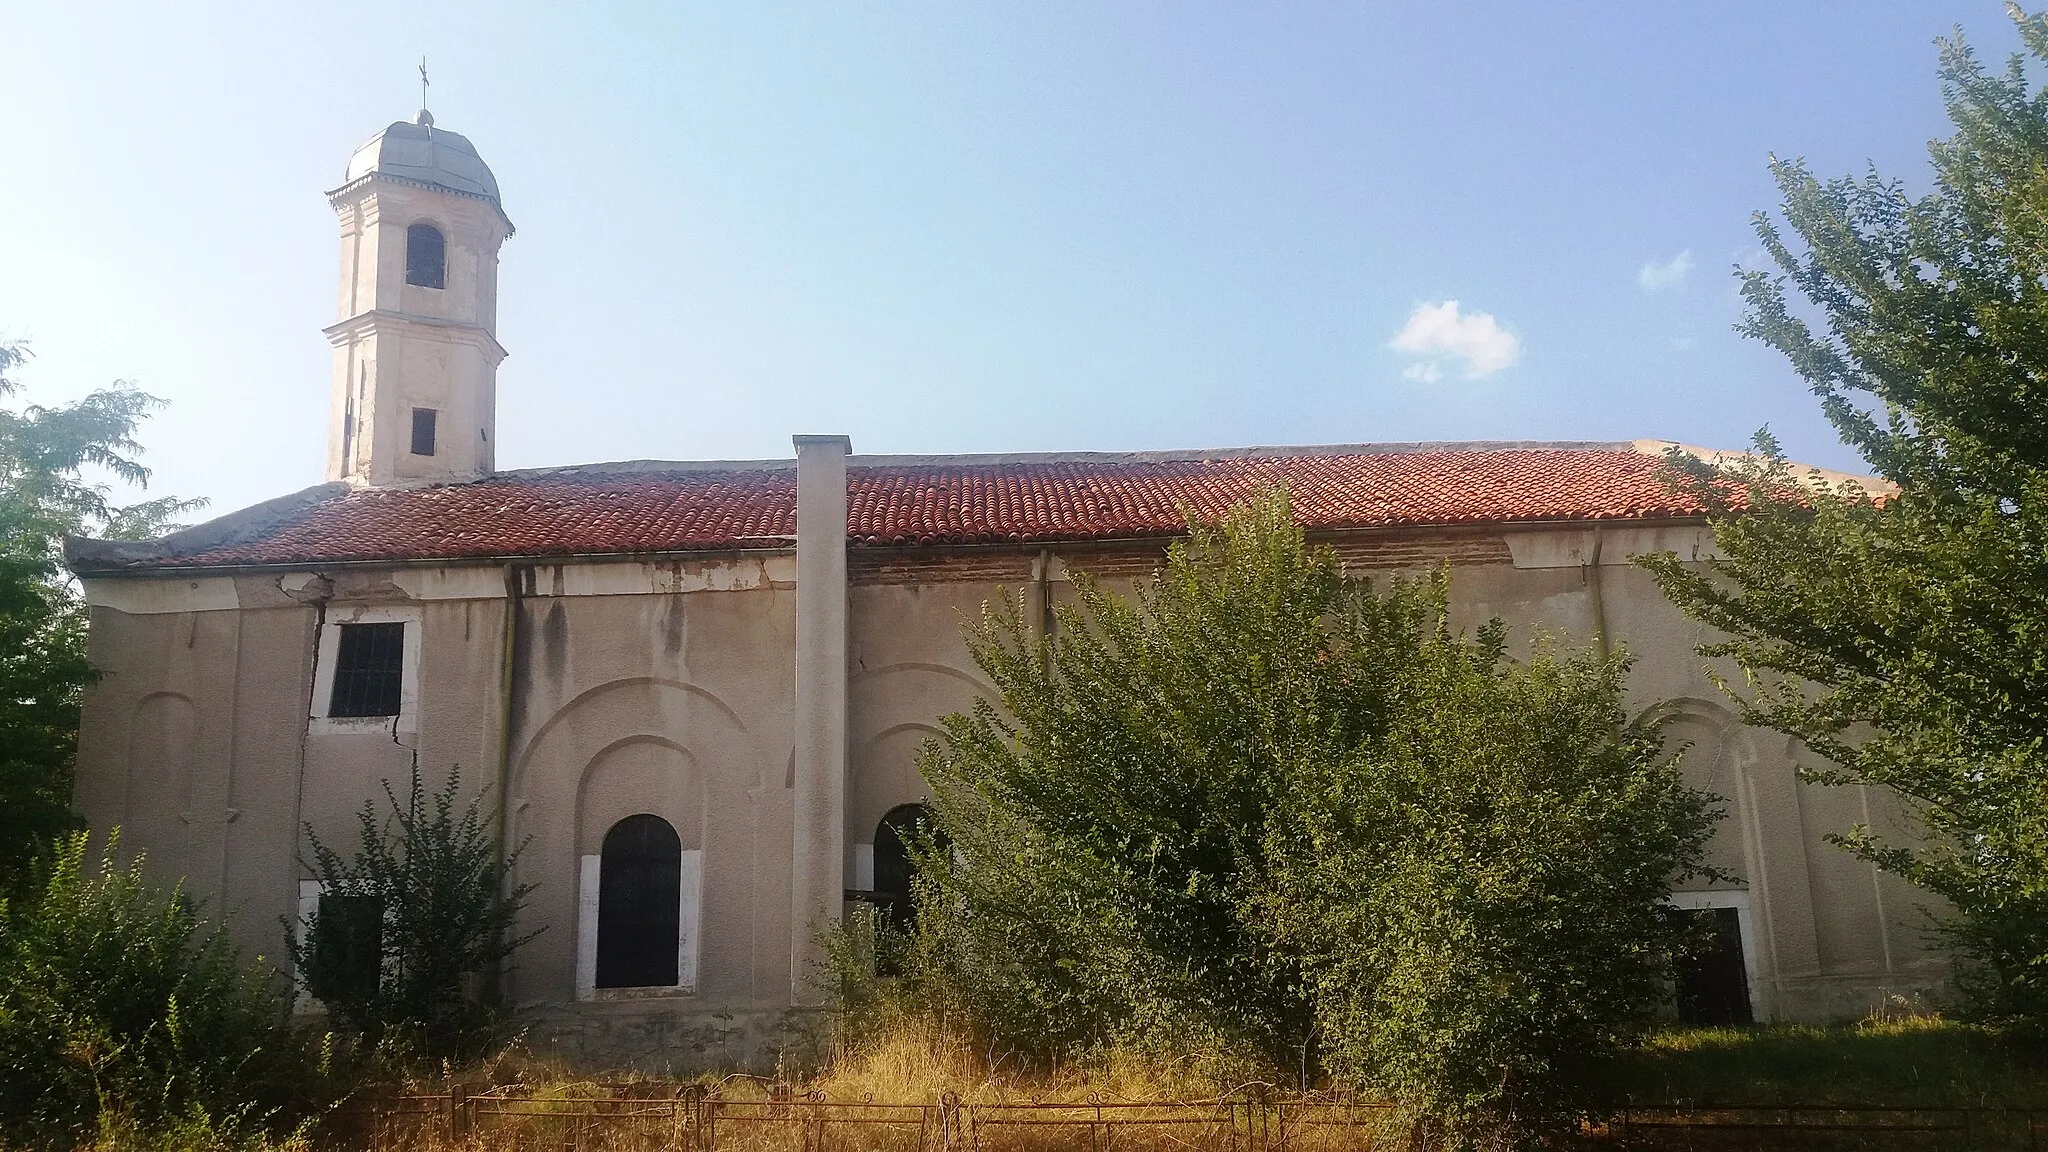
<point>419,153</point>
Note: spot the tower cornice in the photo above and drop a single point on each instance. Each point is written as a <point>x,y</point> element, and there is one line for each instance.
<point>365,324</point>
<point>351,192</point>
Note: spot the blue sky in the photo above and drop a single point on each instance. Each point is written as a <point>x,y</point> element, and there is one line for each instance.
<point>959,227</point>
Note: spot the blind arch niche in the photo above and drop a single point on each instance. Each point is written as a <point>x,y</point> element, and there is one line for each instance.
<point>640,821</point>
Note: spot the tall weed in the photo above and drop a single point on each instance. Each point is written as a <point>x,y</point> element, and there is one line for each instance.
<point>118,999</point>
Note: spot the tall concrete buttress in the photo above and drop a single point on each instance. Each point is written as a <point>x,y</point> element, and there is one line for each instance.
<point>818,846</point>
<point>416,350</point>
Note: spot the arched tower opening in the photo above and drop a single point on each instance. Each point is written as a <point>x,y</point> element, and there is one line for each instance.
<point>426,256</point>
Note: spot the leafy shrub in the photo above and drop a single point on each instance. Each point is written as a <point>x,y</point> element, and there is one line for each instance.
<point>415,927</point>
<point>116,997</point>
<point>1477,897</point>
<point>1264,813</point>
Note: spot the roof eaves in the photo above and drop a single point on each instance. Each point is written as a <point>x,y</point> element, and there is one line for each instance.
<point>86,555</point>
<point>743,546</point>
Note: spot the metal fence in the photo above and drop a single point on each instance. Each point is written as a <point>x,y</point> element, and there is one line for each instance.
<point>708,1118</point>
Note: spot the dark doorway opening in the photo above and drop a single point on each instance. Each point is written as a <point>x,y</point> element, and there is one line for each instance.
<point>639,904</point>
<point>1712,980</point>
<point>895,871</point>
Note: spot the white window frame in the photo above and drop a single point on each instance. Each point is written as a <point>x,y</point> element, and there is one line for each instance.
<point>407,722</point>
<point>864,867</point>
<point>1745,923</point>
<point>589,874</point>
<point>310,891</point>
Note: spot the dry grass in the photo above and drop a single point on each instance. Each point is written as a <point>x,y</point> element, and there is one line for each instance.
<point>878,1097</point>
<point>918,1061</point>
<point>1915,1060</point>
<point>912,1062</point>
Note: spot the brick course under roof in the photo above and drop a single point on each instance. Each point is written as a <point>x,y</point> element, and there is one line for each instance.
<point>651,507</point>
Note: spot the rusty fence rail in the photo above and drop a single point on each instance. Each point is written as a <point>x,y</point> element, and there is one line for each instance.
<point>703,1118</point>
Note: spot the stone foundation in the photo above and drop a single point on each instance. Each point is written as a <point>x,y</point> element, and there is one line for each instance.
<point>677,1038</point>
<point>1847,998</point>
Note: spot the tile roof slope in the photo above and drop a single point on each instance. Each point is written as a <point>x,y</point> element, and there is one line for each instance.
<point>653,507</point>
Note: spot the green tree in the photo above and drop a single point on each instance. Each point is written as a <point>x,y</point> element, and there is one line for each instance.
<point>1480,890</point>
<point>415,927</point>
<point>1905,638</point>
<point>47,456</point>
<point>1263,811</point>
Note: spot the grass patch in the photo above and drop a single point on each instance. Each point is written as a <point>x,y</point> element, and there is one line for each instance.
<point>1913,1061</point>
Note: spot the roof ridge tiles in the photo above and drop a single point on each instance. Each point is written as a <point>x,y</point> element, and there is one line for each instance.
<point>640,467</point>
<point>1250,452</point>
<point>1161,456</point>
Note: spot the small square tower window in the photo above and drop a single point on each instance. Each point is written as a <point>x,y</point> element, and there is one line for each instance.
<point>369,670</point>
<point>423,431</point>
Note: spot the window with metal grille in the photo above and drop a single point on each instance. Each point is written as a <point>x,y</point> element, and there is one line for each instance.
<point>639,905</point>
<point>369,670</point>
<point>348,948</point>
<point>423,431</point>
<point>426,257</point>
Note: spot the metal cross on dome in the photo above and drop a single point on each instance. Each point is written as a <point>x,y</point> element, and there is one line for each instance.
<point>423,83</point>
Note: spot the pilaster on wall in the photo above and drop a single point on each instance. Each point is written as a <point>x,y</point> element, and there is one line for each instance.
<point>817,886</point>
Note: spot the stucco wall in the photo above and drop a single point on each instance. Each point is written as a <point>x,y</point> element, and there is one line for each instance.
<point>668,687</point>
<point>676,704</point>
<point>190,742</point>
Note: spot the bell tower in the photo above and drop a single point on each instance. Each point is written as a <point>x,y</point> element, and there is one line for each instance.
<point>416,350</point>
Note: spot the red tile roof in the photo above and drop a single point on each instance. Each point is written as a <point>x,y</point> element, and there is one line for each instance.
<point>894,501</point>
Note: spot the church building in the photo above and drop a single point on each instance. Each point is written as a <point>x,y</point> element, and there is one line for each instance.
<point>697,688</point>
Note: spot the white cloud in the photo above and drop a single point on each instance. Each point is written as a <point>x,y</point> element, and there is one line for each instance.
<point>1439,332</point>
<point>1656,277</point>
